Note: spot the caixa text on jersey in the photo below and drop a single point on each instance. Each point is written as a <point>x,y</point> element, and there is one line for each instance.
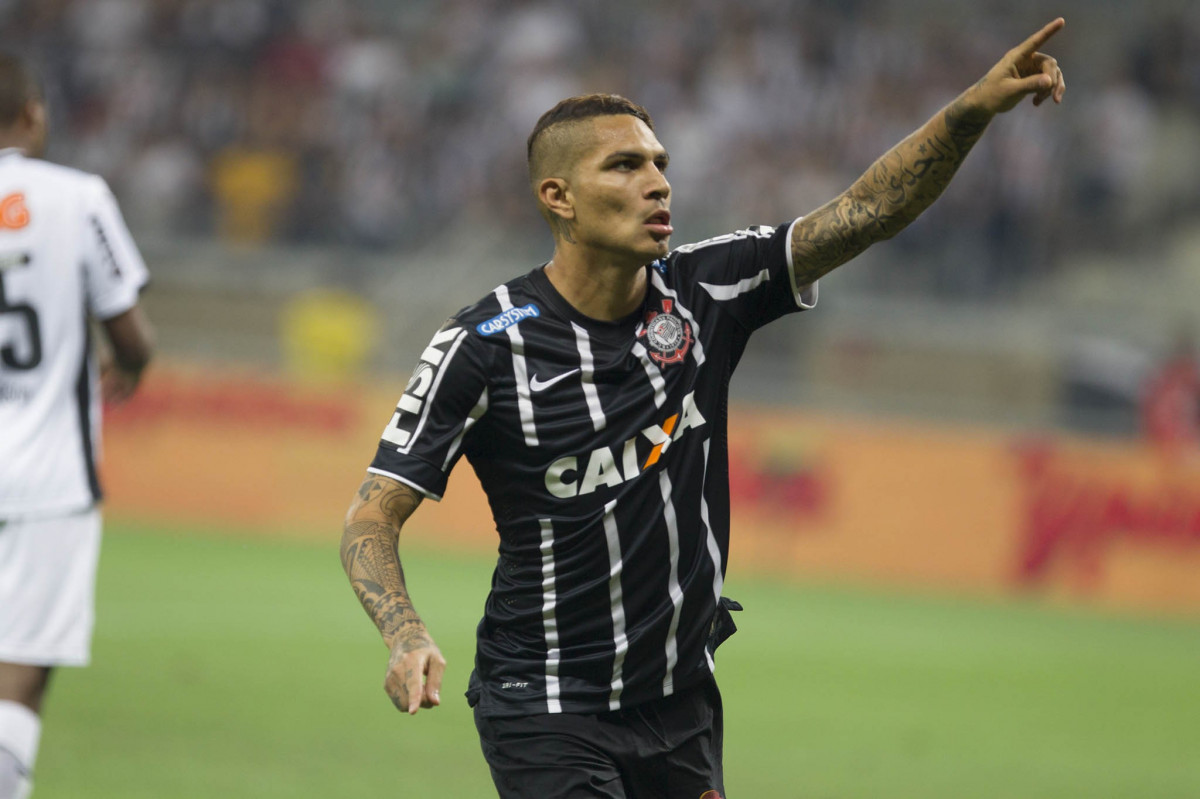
<point>610,466</point>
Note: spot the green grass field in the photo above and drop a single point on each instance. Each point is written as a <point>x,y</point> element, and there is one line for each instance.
<point>242,667</point>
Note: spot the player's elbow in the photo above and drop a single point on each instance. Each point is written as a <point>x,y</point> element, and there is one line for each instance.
<point>875,217</point>
<point>354,528</point>
<point>347,544</point>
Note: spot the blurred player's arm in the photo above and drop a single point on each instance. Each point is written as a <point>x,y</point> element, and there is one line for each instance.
<point>130,346</point>
<point>910,176</point>
<point>371,558</point>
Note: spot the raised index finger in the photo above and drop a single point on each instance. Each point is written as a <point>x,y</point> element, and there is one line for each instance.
<point>1031,45</point>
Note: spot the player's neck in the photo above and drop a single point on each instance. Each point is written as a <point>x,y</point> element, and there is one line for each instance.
<point>601,290</point>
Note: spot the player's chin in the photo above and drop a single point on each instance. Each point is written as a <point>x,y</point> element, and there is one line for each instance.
<point>659,245</point>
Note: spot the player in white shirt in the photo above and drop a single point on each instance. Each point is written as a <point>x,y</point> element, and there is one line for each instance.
<point>66,258</point>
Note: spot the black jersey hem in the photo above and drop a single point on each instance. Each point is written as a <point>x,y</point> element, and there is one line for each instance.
<point>488,707</point>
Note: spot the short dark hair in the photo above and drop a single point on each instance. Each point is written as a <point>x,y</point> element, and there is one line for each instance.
<point>18,87</point>
<point>582,107</point>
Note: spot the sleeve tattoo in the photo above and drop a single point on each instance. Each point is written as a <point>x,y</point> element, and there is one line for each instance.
<point>891,194</point>
<point>371,558</point>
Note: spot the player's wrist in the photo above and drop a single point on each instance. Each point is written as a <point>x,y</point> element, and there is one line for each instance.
<point>977,104</point>
<point>411,636</point>
<point>973,106</point>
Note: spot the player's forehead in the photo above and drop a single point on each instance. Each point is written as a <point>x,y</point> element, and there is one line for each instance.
<point>618,133</point>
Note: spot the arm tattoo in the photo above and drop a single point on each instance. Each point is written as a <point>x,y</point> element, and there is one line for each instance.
<point>371,559</point>
<point>395,500</point>
<point>369,489</point>
<point>891,194</point>
<point>398,502</point>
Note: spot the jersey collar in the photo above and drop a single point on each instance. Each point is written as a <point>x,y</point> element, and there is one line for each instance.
<point>617,330</point>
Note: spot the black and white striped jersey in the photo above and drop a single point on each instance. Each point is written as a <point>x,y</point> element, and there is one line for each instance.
<point>601,447</point>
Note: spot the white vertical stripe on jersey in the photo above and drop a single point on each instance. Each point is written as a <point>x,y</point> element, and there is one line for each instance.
<point>714,551</point>
<point>697,347</point>
<point>652,372</point>
<point>429,398</point>
<point>673,589</point>
<point>728,291</point>
<point>587,371</point>
<point>616,604</point>
<point>479,410</point>
<point>520,371</point>
<point>549,622</point>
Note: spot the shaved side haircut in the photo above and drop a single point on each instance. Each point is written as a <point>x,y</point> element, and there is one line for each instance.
<point>553,146</point>
<point>18,87</point>
<point>575,109</point>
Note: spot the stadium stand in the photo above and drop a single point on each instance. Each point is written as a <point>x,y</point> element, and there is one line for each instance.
<point>261,145</point>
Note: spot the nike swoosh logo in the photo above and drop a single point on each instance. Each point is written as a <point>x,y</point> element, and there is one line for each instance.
<point>538,385</point>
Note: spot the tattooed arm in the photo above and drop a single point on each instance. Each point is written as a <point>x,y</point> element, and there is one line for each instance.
<point>909,177</point>
<point>371,558</point>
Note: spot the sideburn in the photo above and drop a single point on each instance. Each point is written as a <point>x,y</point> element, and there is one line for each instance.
<point>563,226</point>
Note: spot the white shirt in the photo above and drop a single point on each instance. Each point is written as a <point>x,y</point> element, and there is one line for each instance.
<point>65,255</point>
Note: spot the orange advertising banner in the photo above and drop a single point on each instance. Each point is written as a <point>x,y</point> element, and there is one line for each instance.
<point>972,510</point>
<point>831,499</point>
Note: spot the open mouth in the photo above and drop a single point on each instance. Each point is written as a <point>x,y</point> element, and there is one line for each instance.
<point>659,223</point>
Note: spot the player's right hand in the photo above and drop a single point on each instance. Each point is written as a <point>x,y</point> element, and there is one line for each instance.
<point>414,674</point>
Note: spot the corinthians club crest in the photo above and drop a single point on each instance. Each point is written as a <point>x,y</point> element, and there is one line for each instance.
<point>669,335</point>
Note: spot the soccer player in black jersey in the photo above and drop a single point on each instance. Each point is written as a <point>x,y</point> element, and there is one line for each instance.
<point>590,398</point>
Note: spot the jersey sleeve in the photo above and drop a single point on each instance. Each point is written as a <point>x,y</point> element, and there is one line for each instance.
<point>750,274</point>
<point>114,269</point>
<point>445,396</point>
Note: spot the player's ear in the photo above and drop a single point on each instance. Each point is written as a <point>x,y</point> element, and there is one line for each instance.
<point>33,122</point>
<point>33,113</point>
<point>555,195</point>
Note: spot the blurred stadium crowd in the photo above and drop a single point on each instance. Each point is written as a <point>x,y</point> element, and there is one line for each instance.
<point>382,124</point>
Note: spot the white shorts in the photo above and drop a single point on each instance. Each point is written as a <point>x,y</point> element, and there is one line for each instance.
<point>48,589</point>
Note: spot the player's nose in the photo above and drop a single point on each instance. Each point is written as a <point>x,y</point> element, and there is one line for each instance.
<point>659,188</point>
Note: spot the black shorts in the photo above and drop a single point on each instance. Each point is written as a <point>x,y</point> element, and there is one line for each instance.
<point>666,749</point>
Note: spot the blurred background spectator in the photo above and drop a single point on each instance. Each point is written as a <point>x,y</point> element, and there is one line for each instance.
<point>379,124</point>
<point>1171,398</point>
<point>349,141</point>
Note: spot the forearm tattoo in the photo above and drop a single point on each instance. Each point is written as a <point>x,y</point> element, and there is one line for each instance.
<point>890,195</point>
<point>371,559</point>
